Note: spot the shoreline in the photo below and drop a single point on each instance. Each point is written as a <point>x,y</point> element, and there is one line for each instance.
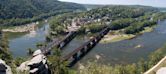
<point>115,36</point>
<point>21,29</point>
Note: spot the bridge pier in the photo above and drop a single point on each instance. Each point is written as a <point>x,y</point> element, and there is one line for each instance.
<point>85,48</point>
<point>91,43</point>
<point>83,51</point>
<point>88,46</point>
<point>95,40</point>
<point>61,45</point>
<point>75,56</point>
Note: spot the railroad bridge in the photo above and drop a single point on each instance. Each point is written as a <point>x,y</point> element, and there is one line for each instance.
<point>73,57</point>
<point>78,53</point>
<point>59,44</point>
<point>81,51</point>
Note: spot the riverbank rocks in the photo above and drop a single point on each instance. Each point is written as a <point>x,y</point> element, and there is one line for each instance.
<point>4,68</point>
<point>23,28</point>
<point>138,46</point>
<point>37,65</point>
<point>37,52</point>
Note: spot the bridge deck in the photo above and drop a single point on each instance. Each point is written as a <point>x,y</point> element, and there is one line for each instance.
<point>75,43</point>
<point>58,43</point>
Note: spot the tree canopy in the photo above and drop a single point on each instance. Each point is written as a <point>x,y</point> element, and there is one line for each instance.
<point>18,12</point>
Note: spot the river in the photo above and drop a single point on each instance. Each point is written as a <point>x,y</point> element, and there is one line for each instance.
<point>121,52</point>
<point>19,43</point>
<point>126,51</point>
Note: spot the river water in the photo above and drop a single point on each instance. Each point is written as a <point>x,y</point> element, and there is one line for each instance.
<point>121,52</point>
<point>126,51</point>
<point>19,43</point>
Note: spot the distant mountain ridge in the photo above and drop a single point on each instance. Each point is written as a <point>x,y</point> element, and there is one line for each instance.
<point>93,6</point>
<point>20,12</point>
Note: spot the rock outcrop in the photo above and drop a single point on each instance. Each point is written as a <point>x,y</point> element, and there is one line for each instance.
<point>4,68</point>
<point>37,65</point>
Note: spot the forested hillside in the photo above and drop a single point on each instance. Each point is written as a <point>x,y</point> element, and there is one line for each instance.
<point>13,10</point>
<point>119,17</point>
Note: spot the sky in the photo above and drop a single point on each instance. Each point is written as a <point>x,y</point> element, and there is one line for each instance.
<point>155,3</point>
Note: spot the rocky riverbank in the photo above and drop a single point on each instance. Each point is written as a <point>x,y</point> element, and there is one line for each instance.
<point>25,28</point>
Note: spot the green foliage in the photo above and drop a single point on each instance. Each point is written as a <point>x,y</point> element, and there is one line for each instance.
<point>4,49</point>
<point>19,60</point>
<point>119,16</point>
<point>92,28</point>
<point>48,38</point>
<point>39,45</point>
<point>82,30</point>
<point>116,12</point>
<point>56,65</point>
<point>121,23</point>
<point>18,12</point>
<point>95,27</point>
<point>139,68</point>
<point>30,8</point>
<point>156,56</point>
<point>160,16</point>
<point>96,68</point>
<point>58,23</point>
<point>21,21</point>
<point>136,27</point>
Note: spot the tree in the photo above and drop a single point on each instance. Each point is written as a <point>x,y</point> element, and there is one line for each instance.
<point>130,69</point>
<point>56,65</point>
<point>121,23</point>
<point>142,66</point>
<point>4,49</point>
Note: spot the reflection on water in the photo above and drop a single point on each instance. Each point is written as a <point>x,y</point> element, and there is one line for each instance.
<point>20,44</point>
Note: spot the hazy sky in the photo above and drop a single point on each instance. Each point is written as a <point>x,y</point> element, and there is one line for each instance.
<point>158,3</point>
